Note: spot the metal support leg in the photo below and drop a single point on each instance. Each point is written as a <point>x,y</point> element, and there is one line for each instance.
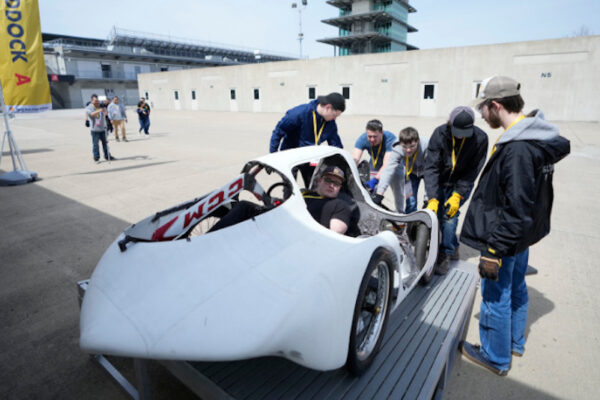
<point>116,375</point>
<point>141,378</point>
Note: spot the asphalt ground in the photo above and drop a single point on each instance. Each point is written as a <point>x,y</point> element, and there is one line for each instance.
<point>54,231</point>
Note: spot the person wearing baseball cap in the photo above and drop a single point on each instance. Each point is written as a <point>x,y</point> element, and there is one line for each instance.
<point>309,124</point>
<point>455,155</point>
<point>323,203</point>
<point>509,212</point>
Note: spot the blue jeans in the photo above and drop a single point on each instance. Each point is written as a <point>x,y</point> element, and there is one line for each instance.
<point>145,124</point>
<point>411,202</point>
<point>101,136</point>
<point>504,307</point>
<point>448,225</point>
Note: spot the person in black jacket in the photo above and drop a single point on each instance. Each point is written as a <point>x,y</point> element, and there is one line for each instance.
<point>509,211</point>
<point>455,155</point>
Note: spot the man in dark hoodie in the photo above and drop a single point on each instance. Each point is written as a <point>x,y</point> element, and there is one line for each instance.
<point>455,155</point>
<point>509,211</point>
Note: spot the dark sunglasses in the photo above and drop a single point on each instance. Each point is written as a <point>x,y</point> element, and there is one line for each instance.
<point>332,182</point>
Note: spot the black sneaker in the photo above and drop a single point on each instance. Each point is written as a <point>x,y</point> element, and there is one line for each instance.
<point>111,158</point>
<point>473,353</point>
<point>443,264</point>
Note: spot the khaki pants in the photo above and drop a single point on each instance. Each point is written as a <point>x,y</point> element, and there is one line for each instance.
<point>119,124</point>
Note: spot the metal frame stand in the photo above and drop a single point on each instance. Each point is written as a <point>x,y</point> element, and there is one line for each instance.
<point>20,173</point>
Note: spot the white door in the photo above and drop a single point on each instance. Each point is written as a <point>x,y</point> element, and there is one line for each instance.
<point>256,106</point>
<point>194,100</point>
<point>233,104</point>
<point>428,99</point>
<point>176,100</point>
<point>346,91</point>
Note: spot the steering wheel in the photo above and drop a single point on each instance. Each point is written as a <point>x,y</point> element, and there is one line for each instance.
<point>273,186</point>
<point>275,200</point>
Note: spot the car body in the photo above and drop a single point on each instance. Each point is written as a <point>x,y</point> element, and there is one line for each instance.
<point>278,283</point>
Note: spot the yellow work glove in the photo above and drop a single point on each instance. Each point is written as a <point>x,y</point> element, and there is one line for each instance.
<point>452,204</point>
<point>432,204</point>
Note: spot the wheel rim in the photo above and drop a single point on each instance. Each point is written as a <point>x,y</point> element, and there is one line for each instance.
<point>373,311</point>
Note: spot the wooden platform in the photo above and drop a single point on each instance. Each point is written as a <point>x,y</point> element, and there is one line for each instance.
<point>418,350</point>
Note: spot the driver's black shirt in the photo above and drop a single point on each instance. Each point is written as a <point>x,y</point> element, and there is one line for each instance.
<point>324,209</point>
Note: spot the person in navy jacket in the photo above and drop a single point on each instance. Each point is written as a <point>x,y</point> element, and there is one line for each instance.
<point>309,125</point>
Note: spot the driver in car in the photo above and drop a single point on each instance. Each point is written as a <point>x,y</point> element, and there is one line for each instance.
<point>323,203</point>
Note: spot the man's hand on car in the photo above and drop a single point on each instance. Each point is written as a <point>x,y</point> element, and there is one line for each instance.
<point>372,183</point>
<point>432,205</point>
<point>377,199</point>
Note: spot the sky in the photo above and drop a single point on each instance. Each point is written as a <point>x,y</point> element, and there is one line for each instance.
<point>272,26</point>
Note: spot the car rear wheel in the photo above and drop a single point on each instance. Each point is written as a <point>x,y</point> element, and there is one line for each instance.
<point>371,312</point>
<point>422,238</point>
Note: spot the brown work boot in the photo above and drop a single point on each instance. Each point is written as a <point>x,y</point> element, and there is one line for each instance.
<point>455,255</point>
<point>442,265</point>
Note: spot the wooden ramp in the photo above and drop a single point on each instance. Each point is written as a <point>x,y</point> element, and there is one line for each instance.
<point>418,350</point>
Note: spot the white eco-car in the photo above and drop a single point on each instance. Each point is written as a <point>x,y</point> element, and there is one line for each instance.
<point>278,283</point>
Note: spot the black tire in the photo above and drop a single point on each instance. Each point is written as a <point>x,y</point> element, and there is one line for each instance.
<point>369,320</point>
<point>422,241</point>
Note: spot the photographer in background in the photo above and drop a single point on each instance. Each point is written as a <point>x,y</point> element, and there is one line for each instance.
<point>96,113</point>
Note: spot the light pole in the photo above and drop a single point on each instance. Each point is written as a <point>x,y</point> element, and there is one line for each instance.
<point>300,34</point>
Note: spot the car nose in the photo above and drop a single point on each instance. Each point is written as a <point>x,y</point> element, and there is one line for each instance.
<point>102,325</point>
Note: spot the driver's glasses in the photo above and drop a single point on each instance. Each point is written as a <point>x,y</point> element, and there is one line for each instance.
<point>332,182</point>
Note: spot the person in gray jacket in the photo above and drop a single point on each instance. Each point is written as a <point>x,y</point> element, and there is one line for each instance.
<point>407,162</point>
<point>97,117</point>
<point>118,117</point>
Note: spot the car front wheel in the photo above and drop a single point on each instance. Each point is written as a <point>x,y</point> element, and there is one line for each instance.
<point>371,312</point>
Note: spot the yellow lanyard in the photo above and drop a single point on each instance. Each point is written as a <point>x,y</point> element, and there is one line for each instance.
<point>373,158</point>
<point>510,126</point>
<point>317,137</point>
<point>455,157</point>
<point>409,171</point>
<point>311,196</point>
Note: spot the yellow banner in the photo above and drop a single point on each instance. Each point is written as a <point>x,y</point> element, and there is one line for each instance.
<point>22,69</point>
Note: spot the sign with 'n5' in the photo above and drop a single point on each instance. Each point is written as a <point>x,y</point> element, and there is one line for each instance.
<point>22,68</point>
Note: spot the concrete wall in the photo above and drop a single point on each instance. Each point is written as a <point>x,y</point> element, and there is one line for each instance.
<point>559,76</point>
